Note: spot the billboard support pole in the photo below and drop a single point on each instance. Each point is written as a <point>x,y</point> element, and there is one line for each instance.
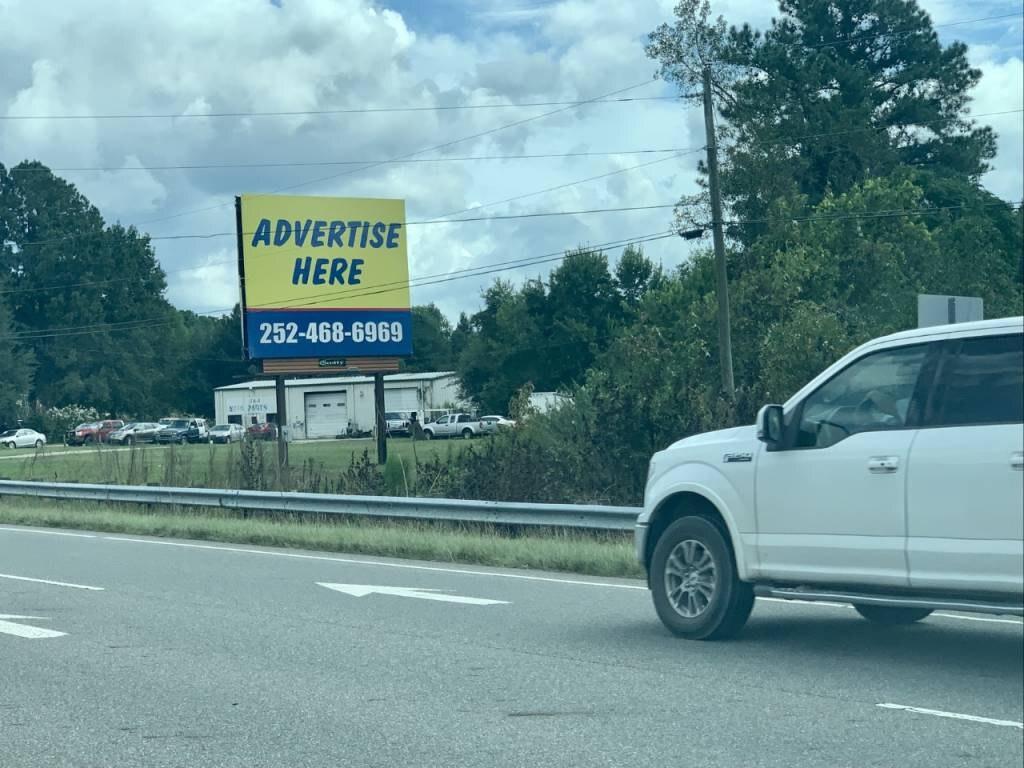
<point>381,422</point>
<point>282,420</point>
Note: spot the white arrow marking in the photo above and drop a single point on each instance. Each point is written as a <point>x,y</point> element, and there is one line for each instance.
<point>24,630</point>
<point>362,590</point>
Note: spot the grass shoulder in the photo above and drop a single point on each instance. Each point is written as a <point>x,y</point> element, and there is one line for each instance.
<point>596,554</point>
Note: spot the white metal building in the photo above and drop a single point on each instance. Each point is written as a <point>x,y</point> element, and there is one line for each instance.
<point>326,407</point>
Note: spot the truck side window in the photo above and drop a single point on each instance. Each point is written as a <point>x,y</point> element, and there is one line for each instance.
<point>871,394</point>
<point>982,383</point>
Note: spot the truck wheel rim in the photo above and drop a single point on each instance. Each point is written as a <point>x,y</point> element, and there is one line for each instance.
<point>690,578</point>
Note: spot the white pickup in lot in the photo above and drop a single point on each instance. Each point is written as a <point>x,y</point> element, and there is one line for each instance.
<point>894,481</point>
<point>453,425</point>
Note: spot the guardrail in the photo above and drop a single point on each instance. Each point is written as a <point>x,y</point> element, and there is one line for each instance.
<point>592,517</point>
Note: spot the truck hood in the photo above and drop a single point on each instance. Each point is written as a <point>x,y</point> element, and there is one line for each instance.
<point>740,436</point>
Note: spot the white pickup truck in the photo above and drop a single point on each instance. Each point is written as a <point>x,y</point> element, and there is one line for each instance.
<point>894,481</point>
<point>453,425</point>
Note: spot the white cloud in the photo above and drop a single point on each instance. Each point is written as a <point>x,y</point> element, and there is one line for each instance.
<point>1002,89</point>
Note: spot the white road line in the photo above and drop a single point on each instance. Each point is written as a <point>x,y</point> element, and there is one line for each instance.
<point>954,715</point>
<point>47,581</point>
<point>467,572</point>
<point>48,533</point>
<point>352,561</point>
<point>985,619</point>
<point>24,630</point>
<point>1015,622</point>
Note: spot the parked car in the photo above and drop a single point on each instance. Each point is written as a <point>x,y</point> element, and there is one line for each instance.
<point>892,482</point>
<point>92,432</point>
<point>266,430</point>
<point>180,431</point>
<point>227,433</point>
<point>135,432</point>
<point>491,424</point>
<point>454,424</point>
<point>22,438</point>
<point>397,424</point>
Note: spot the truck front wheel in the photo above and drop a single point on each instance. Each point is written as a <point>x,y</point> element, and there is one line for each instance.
<point>696,590</point>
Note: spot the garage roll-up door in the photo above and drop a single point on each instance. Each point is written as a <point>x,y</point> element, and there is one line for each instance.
<point>403,400</point>
<point>326,414</point>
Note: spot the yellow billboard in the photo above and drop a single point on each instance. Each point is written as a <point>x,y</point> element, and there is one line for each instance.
<point>323,276</point>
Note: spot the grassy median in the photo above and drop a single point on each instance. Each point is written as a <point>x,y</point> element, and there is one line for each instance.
<point>550,549</point>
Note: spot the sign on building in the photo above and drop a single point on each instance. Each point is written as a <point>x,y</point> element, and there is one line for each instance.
<point>942,310</point>
<point>323,277</point>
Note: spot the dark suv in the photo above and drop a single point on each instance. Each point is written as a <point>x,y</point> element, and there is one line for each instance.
<point>92,432</point>
<point>181,431</point>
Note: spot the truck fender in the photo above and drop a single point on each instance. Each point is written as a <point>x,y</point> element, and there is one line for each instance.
<point>710,485</point>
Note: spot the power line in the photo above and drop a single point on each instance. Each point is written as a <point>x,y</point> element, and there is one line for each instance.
<point>862,215</point>
<point>321,163</point>
<point>346,111</point>
<point>504,266</point>
<point>679,153</point>
<point>451,275</point>
<point>406,156</point>
<point>444,216</point>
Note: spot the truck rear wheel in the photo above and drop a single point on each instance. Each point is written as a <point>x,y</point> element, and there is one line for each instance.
<point>891,615</point>
<point>467,434</point>
<point>696,590</point>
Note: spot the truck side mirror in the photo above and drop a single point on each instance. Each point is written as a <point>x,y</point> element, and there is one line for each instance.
<point>770,426</point>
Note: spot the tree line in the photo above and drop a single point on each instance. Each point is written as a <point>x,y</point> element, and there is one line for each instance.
<point>851,173</point>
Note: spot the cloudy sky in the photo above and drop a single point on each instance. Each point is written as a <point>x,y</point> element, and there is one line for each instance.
<point>184,61</point>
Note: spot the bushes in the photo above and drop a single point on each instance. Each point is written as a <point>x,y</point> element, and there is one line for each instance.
<point>54,422</point>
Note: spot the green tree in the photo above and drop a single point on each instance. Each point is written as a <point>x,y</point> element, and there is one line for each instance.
<point>431,341</point>
<point>831,94</point>
<point>88,297</point>
<point>17,366</point>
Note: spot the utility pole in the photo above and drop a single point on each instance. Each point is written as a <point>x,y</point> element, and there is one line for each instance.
<point>282,420</point>
<point>381,423</point>
<point>721,275</point>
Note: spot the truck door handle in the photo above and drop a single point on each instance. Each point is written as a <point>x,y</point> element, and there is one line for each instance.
<point>1017,460</point>
<point>883,465</point>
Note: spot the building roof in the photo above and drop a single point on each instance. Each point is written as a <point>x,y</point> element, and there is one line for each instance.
<point>313,381</point>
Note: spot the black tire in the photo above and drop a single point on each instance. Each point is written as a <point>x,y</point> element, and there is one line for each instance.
<point>39,444</point>
<point>428,435</point>
<point>892,616</point>
<point>730,600</point>
<point>129,441</point>
<point>467,434</point>
<point>88,440</point>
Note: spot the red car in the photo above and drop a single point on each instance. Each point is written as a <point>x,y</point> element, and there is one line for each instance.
<point>92,432</point>
<point>265,431</point>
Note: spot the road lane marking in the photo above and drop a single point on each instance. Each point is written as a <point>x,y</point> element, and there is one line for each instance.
<point>437,569</point>
<point>1015,622</point>
<point>49,533</point>
<point>954,715</point>
<point>937,615</point>
<point>47,581</point>
<point>24,630</point>
<point>362,590</point>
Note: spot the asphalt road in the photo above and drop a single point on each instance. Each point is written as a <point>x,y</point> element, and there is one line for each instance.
<point>194,654</point>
